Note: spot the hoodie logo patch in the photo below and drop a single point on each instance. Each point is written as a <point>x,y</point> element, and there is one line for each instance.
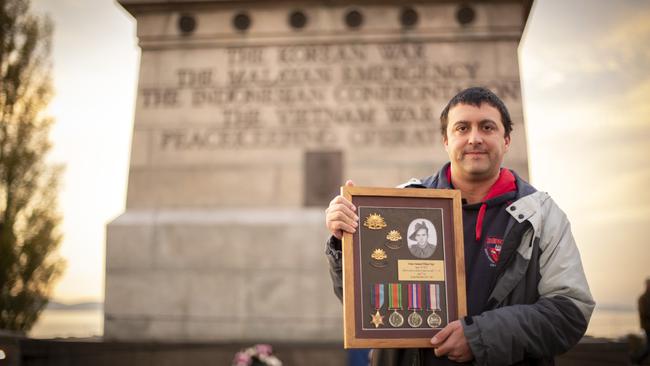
<point>493,248</point>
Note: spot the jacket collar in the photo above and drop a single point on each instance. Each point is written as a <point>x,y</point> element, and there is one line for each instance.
<point>440,181</point>
<point>521,209</point>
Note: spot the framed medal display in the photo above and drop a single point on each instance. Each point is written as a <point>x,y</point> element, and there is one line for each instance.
<point>404,268</point>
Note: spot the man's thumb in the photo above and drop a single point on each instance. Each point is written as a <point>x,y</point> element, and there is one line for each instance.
<point>349,183</point>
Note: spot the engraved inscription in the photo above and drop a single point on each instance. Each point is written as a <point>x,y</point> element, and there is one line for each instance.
<point>420,270</point>
<point>313,96</point>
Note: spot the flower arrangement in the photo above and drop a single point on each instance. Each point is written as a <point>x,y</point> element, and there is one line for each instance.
<point>259,354</point>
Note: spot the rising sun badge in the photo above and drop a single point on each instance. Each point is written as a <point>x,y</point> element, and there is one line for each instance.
<point>378,257</point>
<point>374,222</point>
<point>394,239</point>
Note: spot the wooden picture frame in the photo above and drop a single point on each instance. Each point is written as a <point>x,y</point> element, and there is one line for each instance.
<point>406,257</point>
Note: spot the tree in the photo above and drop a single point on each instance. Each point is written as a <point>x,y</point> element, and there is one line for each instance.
<point>29,218</point>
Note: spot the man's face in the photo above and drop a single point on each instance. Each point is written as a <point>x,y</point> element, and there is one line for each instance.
<point>475,141</point>
<point>421,237</point>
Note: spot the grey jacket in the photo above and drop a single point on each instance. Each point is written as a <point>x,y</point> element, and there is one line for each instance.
<point>540,304</point>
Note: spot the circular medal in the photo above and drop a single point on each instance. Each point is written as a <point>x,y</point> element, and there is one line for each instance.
<point>414,320</point>
<point>396,319</point>
<point>434,320</point>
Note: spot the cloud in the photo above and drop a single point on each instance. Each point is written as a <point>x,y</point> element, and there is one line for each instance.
<point>586,90</point>
<point>638,215</point>
<point>635,26</point>
<point>585,51</point>
<point>635,102</point>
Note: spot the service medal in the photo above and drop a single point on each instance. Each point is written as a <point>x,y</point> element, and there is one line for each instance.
<point>395,319</point>
<point>433,304</point>
<point>434,320</point>
<point>414,320</point>
<point>377,298</point>
<point>415,303</point>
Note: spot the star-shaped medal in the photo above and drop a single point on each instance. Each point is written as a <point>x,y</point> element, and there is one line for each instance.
<point>377,319</point>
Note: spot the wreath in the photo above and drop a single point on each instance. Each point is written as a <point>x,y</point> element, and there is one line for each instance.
<point>258,355</point>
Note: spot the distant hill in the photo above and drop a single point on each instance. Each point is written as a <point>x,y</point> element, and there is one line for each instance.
<point>615,307</point>
<point>53,305</point>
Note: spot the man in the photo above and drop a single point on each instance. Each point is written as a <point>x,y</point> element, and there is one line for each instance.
<point>527,295</point>
<point>422,248</point>
<point>644,317</point>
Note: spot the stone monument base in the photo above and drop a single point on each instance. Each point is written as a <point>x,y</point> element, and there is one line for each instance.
<point>215,275</point>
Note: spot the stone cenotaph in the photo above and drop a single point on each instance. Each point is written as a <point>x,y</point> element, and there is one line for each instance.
<point>249,116</point>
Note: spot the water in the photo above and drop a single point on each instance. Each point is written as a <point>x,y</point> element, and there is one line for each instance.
<point>69,323</point>
<point>612,324</point>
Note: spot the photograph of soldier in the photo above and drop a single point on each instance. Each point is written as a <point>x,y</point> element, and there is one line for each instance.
<point>422,238</point>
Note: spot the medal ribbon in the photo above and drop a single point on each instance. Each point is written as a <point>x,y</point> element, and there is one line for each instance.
<point>415,296</point>
<point>395,296</point>
<point>433,297</point>
<point>377,295</point>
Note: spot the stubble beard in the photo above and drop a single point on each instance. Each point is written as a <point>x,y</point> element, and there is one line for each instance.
<point>476,170</point>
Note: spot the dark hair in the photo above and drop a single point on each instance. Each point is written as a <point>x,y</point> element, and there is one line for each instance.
<point>476,96</point>
<point>419,226</point>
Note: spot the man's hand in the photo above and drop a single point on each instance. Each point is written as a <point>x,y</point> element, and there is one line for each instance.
<point>340,216</point>
<point>451,342</point>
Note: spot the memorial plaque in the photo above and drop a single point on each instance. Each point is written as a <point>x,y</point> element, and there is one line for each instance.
<point>404,268</point>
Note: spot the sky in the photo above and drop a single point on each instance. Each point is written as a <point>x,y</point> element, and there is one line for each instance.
<point>586,85</point>
<point>95,66</point>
